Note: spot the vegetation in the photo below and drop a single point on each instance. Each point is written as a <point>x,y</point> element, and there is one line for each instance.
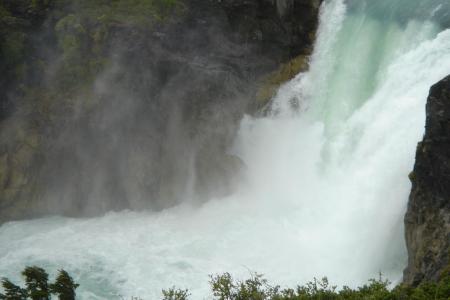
<point>224,287</point>
<point>285,72</point>
<point>257,288</point>
<point>38,288</point>
<point>67,43</point>
<point>175,294</point>
<point>84,30</point>
<point>64,286</point>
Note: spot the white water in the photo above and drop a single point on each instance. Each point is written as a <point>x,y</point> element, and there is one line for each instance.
<point>325,187</point>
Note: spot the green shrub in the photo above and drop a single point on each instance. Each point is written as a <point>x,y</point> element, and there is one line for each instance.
<point>36,281</point>
<point>12,291</point>
<point>38,288</point>
<point>64,286</point>
<point>224,287</point>
<point>175,294</point>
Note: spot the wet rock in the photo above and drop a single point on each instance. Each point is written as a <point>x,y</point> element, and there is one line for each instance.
<point>427,220</point>
<point>136,115</point>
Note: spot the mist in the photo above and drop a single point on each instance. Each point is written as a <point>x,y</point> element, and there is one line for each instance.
<point>139,112</point>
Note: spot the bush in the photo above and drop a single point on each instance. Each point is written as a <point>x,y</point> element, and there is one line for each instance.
<point>36,281</point>
<point>38,288</point>
<point>224,287</point>
<point>12,291</point>
<point>175,294</point>
<point>64,286</point>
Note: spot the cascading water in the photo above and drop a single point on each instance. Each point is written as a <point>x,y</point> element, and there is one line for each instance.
<point>325,187</point>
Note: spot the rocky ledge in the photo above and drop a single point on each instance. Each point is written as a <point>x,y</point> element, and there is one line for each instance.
<point>427,220</point>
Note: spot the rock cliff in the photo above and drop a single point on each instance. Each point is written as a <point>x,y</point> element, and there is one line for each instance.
<point>134,104</point>
<point>427,220</point>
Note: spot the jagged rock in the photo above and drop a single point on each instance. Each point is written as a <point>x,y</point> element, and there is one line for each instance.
<point>285,27</point>
<point>427,220</point>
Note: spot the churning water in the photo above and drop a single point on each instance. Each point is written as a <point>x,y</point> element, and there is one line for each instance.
<point>326,183</point>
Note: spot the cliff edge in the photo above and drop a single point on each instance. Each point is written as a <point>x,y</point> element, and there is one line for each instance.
<point>427,221</point>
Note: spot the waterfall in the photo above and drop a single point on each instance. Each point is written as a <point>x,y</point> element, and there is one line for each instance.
<point>325,186</point>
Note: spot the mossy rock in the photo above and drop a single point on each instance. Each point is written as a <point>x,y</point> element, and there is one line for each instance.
<point>272,83</point>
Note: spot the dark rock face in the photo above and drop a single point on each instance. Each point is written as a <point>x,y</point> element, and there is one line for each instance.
<point>154,125</point>
<point>427,220</point>
<point>285,28</point>
<point>18,20</point>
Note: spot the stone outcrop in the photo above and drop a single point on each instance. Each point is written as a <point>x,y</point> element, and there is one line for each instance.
<point>427,220</point>
<point>121,111</point>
